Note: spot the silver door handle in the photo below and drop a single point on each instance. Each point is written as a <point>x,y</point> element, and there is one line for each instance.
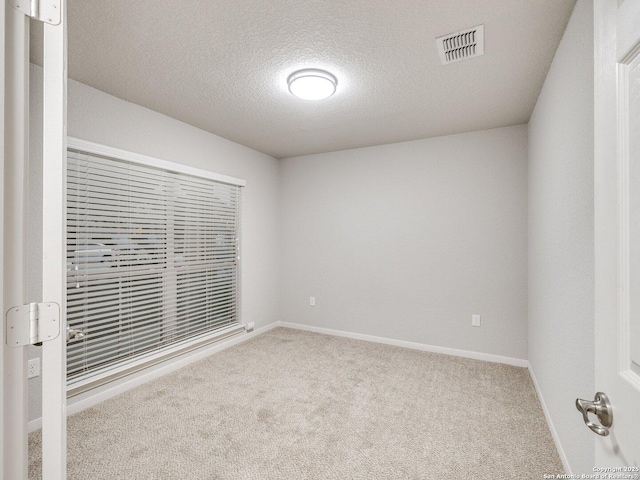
<point>74,334</point>
<point>601,408</point>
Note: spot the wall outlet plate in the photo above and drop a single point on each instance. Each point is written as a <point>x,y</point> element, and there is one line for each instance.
<point>475,320</point>
<point>33,368</point>
<point>312,301</point>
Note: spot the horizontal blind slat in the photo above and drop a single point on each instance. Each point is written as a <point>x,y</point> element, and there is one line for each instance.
<point>129,307</point>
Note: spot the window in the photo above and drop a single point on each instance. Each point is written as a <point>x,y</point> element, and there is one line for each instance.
<point>152,264</point>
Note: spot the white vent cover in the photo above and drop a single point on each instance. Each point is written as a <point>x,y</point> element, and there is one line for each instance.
<point>461,45</point>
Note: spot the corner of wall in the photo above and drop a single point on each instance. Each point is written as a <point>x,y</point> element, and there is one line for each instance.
<point>561,314</point>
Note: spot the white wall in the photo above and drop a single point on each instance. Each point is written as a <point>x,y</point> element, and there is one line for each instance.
<point>101,118</point>
<point>406,241</point>
<point>561,228</point>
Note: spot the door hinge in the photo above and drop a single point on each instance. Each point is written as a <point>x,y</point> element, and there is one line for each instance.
<point>32,324</point>
<point>47,11</point>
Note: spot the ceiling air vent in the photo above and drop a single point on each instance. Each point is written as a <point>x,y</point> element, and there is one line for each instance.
<point>461,45</point>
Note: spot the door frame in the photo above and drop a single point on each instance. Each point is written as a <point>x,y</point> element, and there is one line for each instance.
<point>13,238</point>
<point>54,167</point>
<point>15,64</point>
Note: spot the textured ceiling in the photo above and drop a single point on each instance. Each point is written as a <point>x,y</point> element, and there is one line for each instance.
<point>222,65</point>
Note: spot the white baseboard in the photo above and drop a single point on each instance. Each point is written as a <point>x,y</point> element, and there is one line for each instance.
<point>100,394</point>
<point>34,425</point>
<point>487,357</point>
<point>554,434</point>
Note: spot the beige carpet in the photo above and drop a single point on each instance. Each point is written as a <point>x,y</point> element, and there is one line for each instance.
<point>297,405</point>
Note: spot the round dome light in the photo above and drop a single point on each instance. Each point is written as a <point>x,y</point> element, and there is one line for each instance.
<point>312,84</point>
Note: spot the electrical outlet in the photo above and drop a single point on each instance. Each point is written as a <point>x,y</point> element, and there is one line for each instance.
<point>312,301</point>
<point>33,368</point>
<point>475,320</point>
<point>250,326</point>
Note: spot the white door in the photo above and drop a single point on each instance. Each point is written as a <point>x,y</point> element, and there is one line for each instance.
<point>617,229</point>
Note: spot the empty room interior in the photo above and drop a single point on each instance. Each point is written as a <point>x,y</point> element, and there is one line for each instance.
<point>322,239</point>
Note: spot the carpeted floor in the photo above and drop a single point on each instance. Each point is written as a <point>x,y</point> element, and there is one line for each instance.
<point>297,405</point>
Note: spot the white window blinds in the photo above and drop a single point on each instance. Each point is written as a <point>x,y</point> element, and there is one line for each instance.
<point>152,262</point>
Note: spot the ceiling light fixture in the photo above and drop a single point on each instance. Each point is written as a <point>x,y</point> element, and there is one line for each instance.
<point>312,84</point>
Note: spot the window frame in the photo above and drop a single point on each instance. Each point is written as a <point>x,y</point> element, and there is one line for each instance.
<point>140,362</point>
